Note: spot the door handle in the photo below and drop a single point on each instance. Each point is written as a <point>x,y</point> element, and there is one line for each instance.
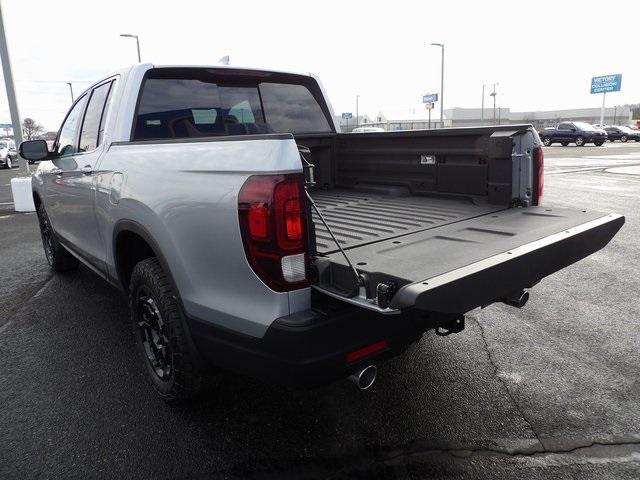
<point>87,169</point>
<point>56,171</point>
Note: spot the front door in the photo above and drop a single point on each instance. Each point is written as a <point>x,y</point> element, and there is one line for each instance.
<point>71,187</point>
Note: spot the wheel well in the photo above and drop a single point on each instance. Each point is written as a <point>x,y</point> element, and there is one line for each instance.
<point>130,248</point>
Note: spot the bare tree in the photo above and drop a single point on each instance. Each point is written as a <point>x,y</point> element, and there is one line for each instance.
<point>31,129</point>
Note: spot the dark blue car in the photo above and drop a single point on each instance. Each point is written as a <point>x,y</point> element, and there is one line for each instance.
<point>579,133</point>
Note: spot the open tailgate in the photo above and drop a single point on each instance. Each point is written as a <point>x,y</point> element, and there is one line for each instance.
<point>458,267</point>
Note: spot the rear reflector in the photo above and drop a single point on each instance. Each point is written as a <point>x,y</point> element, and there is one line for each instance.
<point>366,351</point>
<point>293,268</point>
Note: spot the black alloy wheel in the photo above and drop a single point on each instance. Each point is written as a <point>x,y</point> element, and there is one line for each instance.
<point>153,336</point>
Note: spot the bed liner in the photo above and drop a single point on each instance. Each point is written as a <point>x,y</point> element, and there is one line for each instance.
<point>360,218</point>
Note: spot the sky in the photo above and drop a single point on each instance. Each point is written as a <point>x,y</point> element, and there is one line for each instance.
<point>542,53</point>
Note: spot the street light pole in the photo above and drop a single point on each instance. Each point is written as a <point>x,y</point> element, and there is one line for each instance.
<point>493,94</point>
<point>71,90</point>
<point>128,35</point>
<point>8,82</point>
<point>357,116</point>
<point>441,45</point>
<point>482,110</point>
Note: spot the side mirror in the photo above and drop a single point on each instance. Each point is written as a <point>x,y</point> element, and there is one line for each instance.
<point>34,150</point>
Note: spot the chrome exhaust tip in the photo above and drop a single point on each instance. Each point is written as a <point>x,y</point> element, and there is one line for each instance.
<point>365,377</point>
<point>516,299</point>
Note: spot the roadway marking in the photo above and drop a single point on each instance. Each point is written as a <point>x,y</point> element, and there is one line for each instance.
<point>6,203</point>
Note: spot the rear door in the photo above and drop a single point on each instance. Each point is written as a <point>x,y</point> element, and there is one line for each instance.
<point>564,132</point>
<point>74,213</point>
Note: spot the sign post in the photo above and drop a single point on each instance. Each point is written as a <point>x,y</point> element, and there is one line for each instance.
<point>604,84</point>
<point>347,116</point>
<point>429,99</point>
<point>429,107</point>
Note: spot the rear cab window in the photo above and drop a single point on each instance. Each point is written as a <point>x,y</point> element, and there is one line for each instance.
<point>93,124</point>
<point>189,103</point>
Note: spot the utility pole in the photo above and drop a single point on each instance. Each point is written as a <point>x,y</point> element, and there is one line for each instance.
<point>441,45</point>
<point>71,90</point>
<point>357,117</point>
<point>128,35</point>
<point>493,94</point>
<point>482,109</point>
<point>8,82</point>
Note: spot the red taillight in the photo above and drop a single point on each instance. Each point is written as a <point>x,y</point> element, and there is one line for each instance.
<point>272,222</point>
<point>366,351</point>
<point>293,220</point>
<point>259,221</point>
<point>538,169</point>
<point>288,215</point>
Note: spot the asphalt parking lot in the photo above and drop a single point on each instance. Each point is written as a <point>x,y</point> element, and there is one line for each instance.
<point>549,391</point>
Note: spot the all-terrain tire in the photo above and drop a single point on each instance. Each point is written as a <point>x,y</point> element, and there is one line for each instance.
<point>170,361</point>
<point>57,256</point>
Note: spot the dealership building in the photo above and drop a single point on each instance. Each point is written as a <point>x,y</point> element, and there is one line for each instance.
<point>468,117</point>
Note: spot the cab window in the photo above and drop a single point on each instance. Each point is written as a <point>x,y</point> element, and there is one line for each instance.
<point>92,126</point>
<point>67,140</point>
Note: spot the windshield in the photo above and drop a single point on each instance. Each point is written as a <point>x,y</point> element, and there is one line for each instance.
<point>585,126</point>
<point>4,144</point>
<point>626,129</point>
<point>195,105</point>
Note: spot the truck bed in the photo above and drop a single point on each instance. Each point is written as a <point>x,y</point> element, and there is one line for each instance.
<point>358,218</point>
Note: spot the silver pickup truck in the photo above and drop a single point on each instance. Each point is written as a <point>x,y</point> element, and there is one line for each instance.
<point>250,235</point>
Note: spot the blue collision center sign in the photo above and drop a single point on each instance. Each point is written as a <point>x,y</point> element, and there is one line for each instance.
<point>429,98</point>
<point>608,83</point>
<point>347,116</point>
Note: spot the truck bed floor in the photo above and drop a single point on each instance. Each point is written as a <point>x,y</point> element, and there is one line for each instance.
<point>358,218</point>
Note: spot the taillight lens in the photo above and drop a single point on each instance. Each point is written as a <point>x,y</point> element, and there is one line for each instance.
<point>272,215</point>
<point>538,168</point>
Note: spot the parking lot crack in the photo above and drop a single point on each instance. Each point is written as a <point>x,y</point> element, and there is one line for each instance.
<point>502,380</point>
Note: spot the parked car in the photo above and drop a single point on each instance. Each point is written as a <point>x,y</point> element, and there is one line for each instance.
<point>8,154</point>
<point>367,130</point>
<point>622,133</point>
<point>251,235</point>
<point>579,133</point>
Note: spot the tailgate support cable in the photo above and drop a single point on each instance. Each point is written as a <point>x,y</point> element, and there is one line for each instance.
<point>309,181</point>
<point>353,269</point>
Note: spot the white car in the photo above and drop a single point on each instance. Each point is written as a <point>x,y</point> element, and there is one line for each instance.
<point>8,154</point>
<point>367,130</point>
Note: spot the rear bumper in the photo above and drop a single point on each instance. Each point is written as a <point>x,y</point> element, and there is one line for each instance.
<point>488,280</point>
<point>309,348</point>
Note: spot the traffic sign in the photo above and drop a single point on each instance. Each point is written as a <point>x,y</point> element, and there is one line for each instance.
<point>347,116</point>
<point>607,83</point>
<point>5,126</point>
<point>429,98</point>
<point>429,106</point>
